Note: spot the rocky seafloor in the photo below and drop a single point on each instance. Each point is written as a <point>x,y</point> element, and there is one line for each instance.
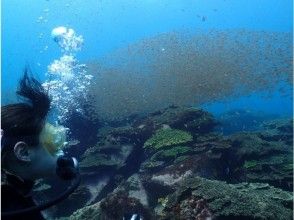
<point>172,164</point>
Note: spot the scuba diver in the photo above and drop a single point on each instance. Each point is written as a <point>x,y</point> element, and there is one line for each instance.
<point>30,150</point>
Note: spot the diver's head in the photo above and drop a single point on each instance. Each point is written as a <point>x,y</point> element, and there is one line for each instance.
<point>24,149</point>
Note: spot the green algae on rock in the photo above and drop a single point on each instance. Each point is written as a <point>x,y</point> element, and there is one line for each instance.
<point>97,160</point>
<point>250,164</point>
<point>166,156</point>
<point>172,153</point>
<point>168,137</point>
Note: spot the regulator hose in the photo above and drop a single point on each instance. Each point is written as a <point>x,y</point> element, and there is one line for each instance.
<point>74,184</point>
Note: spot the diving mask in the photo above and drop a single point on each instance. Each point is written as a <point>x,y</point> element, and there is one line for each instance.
<point>53,138</point>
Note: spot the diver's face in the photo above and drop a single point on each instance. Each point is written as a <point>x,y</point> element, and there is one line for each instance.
<point>42,163</point>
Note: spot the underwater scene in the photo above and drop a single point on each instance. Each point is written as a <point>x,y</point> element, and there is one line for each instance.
<point>147,109</point>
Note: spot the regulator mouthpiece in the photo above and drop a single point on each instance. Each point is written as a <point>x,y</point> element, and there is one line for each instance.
<point>67,167</point>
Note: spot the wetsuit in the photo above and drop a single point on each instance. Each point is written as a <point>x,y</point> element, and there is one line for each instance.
<point>16,195</point>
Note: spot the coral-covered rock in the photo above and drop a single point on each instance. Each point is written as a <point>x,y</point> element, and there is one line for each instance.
<point>266,156</point>
<point>96,159</point>
<point>280,130</point>
<point>184,118</point>
<point>193,208</point>
<point>227,201</point>
<point>91,212</point>
<point>167,137</point>
<point>115,206</point>
<point>206,156</point>
<point>119,205</point>
<point>171,162</point>
<point>172,153</point>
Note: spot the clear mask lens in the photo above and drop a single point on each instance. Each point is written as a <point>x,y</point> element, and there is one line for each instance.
<point>53,138</point>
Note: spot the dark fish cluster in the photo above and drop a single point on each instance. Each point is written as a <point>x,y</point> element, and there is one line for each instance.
<point>185,68</point>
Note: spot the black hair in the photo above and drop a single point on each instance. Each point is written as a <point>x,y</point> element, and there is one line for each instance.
<point>24,121</point>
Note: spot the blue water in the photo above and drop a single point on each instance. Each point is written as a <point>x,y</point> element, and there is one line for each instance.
<point>107,25</point>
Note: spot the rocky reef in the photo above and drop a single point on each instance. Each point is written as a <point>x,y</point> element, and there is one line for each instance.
<point>242,120</point>
<point>199,198</point>
<point>172,164</point>
<point>266,156</point>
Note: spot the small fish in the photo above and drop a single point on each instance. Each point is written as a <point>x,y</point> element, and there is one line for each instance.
<point>227,171</point>
<point>165,126</point>
<point>73,142</point>
<point>133,217</point>
<point>141,126</point>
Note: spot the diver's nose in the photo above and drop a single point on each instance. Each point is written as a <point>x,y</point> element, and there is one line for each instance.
<point>67,167</point>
